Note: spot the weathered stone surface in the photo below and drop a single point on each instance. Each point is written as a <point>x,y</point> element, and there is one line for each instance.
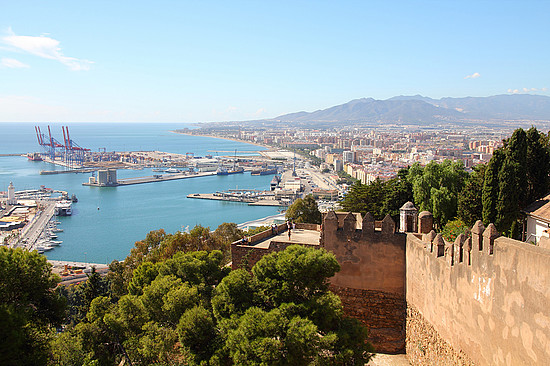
<point>383,313</point>
<point>426,347</point>
<point>494,310</point>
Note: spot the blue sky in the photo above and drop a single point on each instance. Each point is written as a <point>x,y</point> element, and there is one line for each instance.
<point>198,61</point>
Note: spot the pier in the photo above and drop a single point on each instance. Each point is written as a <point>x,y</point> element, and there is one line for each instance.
<point>251,200</point>
<point>83,170</point>
<point>149,179</point>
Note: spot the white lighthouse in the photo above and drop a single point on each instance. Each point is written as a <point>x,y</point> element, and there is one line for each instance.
<point>11,195</point>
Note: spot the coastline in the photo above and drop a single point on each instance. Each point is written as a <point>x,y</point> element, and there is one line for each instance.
<point>224,138</point>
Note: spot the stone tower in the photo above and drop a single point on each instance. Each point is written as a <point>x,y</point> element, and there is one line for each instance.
<point>408,216</point>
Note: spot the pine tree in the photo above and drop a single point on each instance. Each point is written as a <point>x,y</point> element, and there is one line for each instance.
<point>491,187</point>
<point>538,165</point>
<point>470,206</point>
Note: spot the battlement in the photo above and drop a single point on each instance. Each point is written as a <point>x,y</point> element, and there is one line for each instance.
<point>346,223</point>
<point>479,300</point>
<point>371,281</point>
<point>464,247</point>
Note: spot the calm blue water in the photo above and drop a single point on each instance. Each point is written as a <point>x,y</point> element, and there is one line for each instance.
<point>127,214</point>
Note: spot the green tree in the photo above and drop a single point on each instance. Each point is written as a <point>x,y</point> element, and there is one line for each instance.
<point>365,198</point>
<point>470,200</point>
<point>197,332</point>
<point>293,302</point>
<point>538,165</point>
<point>29,307</point>
<point>304,210</point>
<point>187,310</point>
<point>436,188</point>
<point>379,198</point>
<point>397,191</point>
<point>516,175</point>
<point>491,187</point>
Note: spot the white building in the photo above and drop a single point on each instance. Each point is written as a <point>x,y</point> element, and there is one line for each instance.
<point>538,221</point>
<point>11,195</point>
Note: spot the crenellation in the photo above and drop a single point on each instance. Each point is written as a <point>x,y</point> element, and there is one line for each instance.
<point>350,225</point>
<point>467,250</point>
<point>489,236</point>
<point>477,235</point>
<point>471,308</point>
<point>459,248</point>
<point>368,224</point>
<point>450,253</point>
<point>388,226</point>
<point>429,239</point>
<point>439,245</point>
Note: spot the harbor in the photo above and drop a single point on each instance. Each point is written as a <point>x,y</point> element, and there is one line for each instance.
<point>106,222</point>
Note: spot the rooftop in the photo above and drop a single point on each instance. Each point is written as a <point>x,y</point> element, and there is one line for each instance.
<point>297,236</point>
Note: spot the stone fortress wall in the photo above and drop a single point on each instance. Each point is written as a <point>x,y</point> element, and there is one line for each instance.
<point>482,300</point>
<point>371,282</point>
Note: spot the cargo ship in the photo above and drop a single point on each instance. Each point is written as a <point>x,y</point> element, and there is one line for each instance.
<point>235,170</point>
<point>223,171</point>
<point>34,156</point>
<point>265,171</point>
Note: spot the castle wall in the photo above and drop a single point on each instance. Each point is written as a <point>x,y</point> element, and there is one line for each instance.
<point>246,256</point>
<point>371,282</point>
<point>475,307</point>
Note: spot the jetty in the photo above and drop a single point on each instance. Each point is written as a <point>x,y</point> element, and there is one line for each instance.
<point>146,179</point>
<point>250,197</point>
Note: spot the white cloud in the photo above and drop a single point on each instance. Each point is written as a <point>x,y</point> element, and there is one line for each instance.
<point>12,63</point>
<point>44,47</point>
<point>527,90</point>
<point>475,75</point>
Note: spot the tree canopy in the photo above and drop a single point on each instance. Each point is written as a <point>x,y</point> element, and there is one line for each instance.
<point>379,198</point>
<point>436,188</point>
<point>516,175</point>
<point>304,210</point>
<point>191,310</point>
<point>29,307</point>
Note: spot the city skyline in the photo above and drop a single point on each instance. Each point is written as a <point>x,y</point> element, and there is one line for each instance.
<point>211,61</point>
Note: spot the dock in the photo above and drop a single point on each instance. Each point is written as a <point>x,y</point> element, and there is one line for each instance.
<point>68,171</point>
<point>248,200</point>
<point>32,231</point>
<point>150,179</point>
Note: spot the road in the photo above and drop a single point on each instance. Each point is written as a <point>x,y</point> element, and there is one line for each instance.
<point>32,231</point>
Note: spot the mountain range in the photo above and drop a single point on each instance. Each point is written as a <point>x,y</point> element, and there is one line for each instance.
<point>420,109</point>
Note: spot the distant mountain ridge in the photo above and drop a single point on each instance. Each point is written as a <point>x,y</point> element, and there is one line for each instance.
<point>419,109</point>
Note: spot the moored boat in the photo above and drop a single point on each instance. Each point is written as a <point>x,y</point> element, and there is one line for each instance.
<point>63,208</point>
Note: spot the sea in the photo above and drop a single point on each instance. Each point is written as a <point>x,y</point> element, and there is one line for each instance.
<point>106,222</point>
